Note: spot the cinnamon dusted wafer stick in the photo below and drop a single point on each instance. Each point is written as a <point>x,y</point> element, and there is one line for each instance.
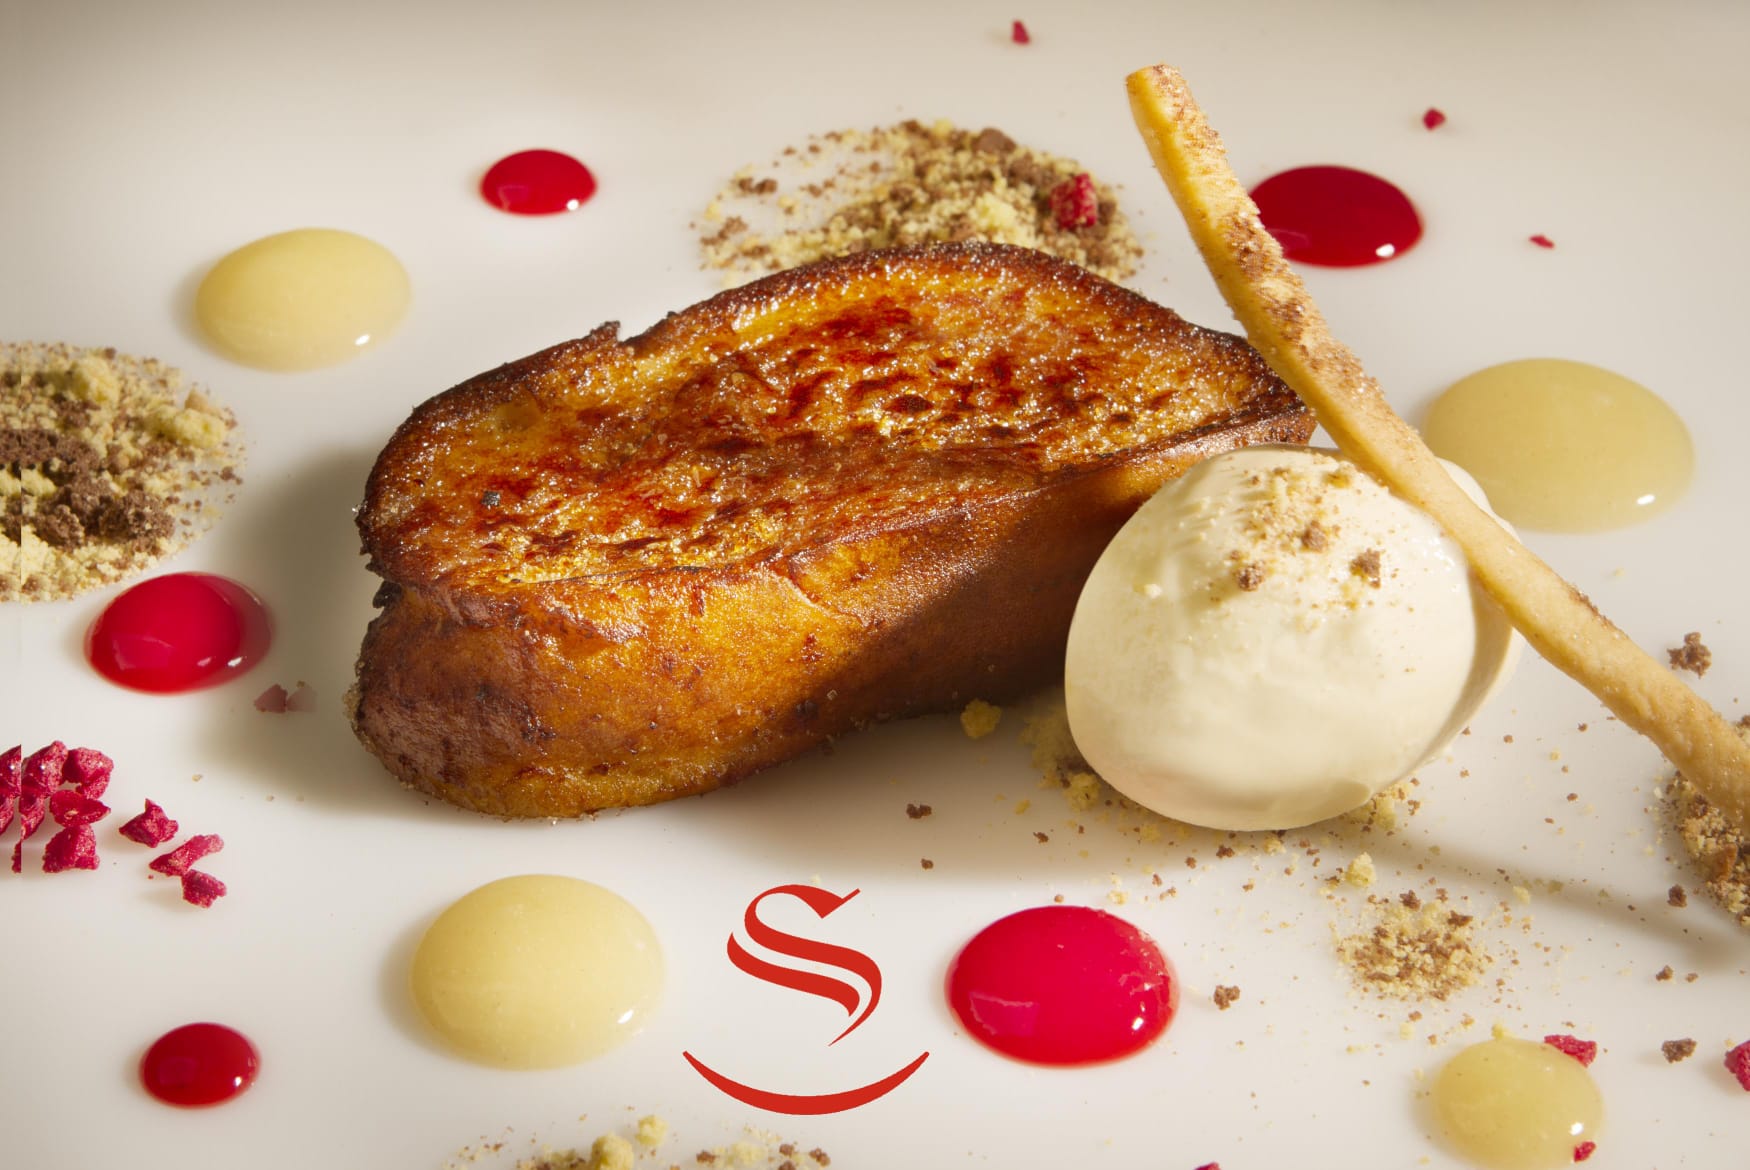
<point>1283,323</point>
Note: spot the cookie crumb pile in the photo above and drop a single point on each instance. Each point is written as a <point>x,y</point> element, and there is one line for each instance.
<point>853,191</point>
<point>107,464</point>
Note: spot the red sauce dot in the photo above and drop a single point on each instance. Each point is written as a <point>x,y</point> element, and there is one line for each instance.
<point>1063,985</point>
<point>179,632</point>
<point>537,182</point>
<point>199,1064</point>
<point>1337,216</point>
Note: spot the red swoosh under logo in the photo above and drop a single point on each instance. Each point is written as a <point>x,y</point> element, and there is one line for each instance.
<point>803,1104</point>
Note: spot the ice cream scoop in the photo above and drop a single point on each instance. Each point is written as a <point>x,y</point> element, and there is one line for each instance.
<point>1273,638</point>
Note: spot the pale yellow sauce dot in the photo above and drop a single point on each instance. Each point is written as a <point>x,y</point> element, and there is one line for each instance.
<point>302,299</point>
<point>537,972</point>
<point>1512,1104</point>
<point>1563,446</point>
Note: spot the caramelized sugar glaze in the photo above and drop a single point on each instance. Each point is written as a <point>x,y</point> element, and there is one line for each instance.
<point>617,572</point>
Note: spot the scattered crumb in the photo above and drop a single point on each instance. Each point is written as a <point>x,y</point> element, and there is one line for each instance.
<point>918,812</point>
<point>652,1131</point>
<point>1225,996</point>
<point>1415,950</point>
<point>1676,896</point>
<point>980,718</point>
<point>1691,656</point>
<point>1360,872</point>
<point>1676,1050</point>
<point>1665,974</point>
<point>926,863</point>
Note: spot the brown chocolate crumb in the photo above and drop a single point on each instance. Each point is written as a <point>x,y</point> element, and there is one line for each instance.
<point>1676,1050</point>
<point>1313,537</point>
<point>1225,996</point>
<point>819,1155</point>
<point>918,811</point>
<point>1691,656</point>
<point>1366,566</point>
<point>1224,851</point>
<point>1665,974</point>
<point>1249,577</point>
<point>1676,896</point>
<point>926,863</point>
<point>1410,899</point>
<point>1042,838</point>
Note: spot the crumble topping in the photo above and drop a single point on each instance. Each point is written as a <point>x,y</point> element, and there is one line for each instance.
<point>854,190</point>
<point>1691,656</point>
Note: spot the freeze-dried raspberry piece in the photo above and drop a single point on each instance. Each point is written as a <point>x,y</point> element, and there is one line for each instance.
<point>1543,241</point>
<point>181,859</point>
<point>8,809</point>
<point>1433,118</point>
<point>1738,1064</point>
<point>12,771</point>
<point>71,807</point>
<point>1584,1051</point>
<point>88,770</point>
<point>31,811</point>
<point>202,889</point>
<point>1585,1150</point>
<point>1074,203</point>
<point>74,847</point>
<point>151,828</point>
<point>42,769</point>
<point>1019,34</point>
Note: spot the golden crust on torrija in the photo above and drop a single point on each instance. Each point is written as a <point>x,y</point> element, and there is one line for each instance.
<point>618,572</point>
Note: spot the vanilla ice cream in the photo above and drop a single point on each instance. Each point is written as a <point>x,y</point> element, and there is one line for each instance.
<point>1273,638</point>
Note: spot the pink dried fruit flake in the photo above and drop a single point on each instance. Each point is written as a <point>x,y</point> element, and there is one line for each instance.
<point>8,810</point>
<point>150,828</point>
<point>69,806</point>
<point>1585,1150</point>
<point>1019,34</point>
<point>74,847</point>
<point>42,770</point>
<point>276,700</point>
<point>1543,241</point>
<point>1584,1051</point>
<point>1074,202</point>
<point>272,701</point>
<point>1738,1064</point>
<point>1433,118</point>
<point>201,889</point>
<point>12,771</point>
<point>180,860</point>
<point>88,770</point>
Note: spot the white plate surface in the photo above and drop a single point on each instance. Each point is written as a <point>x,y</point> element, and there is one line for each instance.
<point>144,141</point>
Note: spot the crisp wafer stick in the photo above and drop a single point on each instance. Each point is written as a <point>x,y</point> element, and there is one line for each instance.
<point>1283,324</point>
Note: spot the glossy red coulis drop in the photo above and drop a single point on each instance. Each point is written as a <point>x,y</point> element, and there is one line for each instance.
<point>1063,985</point>
<point>1337,216</point>
<point>179,632</point>
<point>199,1064</point>
<point>537,182</point>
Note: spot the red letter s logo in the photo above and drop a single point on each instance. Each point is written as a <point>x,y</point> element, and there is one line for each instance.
<point>823,903</point>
